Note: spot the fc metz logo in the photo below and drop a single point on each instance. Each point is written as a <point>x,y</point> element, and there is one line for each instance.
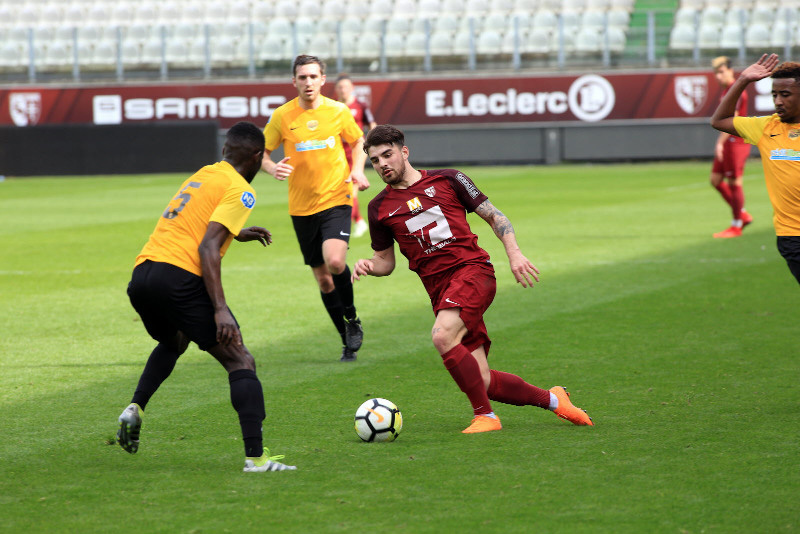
<point>430,191</point>
<point>25,108</point>
<point>691,92</point>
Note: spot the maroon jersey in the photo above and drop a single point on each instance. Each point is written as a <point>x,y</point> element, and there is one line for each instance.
<point>363,116</point>
<point>429,222</point>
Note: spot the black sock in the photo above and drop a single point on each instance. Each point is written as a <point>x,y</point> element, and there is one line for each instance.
<point>247,398</point>
<point>344,286</point>
<point>158,367</point>
<point>335,309</point>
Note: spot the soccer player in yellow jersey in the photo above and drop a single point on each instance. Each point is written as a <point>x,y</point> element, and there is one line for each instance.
<point>312,128</point>
<point>177,290</point>
<point>778,139</point>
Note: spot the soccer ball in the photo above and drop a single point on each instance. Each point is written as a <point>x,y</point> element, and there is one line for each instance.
<point>378,420</point>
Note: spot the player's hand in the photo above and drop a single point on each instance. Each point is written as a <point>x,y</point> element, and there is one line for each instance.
<point>760,69</point>
<point>282,169</point>
<point>360,179</point>
<point>718,151</point>
<point>227,330</point>
<point>361,268</point>
<point>255,233</point>
<point>523,270</point>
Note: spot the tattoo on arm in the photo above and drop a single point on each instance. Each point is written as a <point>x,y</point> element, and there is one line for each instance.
<point>499,222</point>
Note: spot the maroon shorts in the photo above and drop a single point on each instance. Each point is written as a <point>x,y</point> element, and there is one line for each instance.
<point>471,288</point>
<point>734,156</point>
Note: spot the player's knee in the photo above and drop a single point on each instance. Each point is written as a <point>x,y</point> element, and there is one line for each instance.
<point>336,265</point>
<point>443,339</point>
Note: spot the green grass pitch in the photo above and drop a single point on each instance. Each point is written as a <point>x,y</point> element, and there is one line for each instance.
<point>684,350</point>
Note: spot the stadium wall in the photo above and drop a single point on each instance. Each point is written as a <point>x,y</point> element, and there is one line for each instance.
<point>61,150</point>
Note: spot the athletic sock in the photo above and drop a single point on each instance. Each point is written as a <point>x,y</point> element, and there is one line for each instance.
<point>158,367</point>
<point>511,389</point>
<point>467,373</point>
<point>344,286</point>
<point>333,305</point>
<point>725,191</point>
<point>247,398</point>
<point>737,201</point>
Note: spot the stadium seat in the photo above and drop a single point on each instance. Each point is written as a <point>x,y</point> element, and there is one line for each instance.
<point>455,7</point>
<point>527,6</point>
<point>477,8</point>
<point>571,20</point>
<point>334,9</point>
<point>757,36</point>
<point>193,12</point>
<point>781,34</point>
<point>403,8</point>
<point>708,37</point>
<point>524,18</point>
<point>415,44</point>
<point>587,41</point>
<point>731,37</point>
<point>10,55</point>
<point>494,22</point>
<point>8,15</point>
<point>177,53</point>
<point>286,8</point>
<point>309,8</point>
<point>328,26</point>
<point>393,44</point>
<point>615,38</point>
<point>761,15</point>
<point>736,16</point>
<point>169,13</point>
<point>788,14</point>
<point>196,53</point>
<point>618,18</point>
<point>429,8</point>
<point>216,12</point>
<point>152,51</point>
<point>263,11</point>
<point>375,24</point>
<point>504,7</point>
<point>74,15</point>
<point>279,26</point>
<point>271,48</point>
<point>362,8</point>
<point>351,26</point>
<point>304,28</point>
<point>682,37</point>
<point>712,16</point>
<point>368,46</point>
<point>243,11</point>
<point>545,19</point>
<point>378,7</point>
<point>138,33</point>
<point>627,5</point>
<point>463,44</point>
<point>105,55</point>
<point>687,16</point>
<point>28,16</point>
<point>441,43</point>
<point>489,43</point>
<point>131,53</point>
<point>445,22</point>
<point>599,5</point>
<point>573,5</point>
<point>321,46</point>
<point>539,41</point>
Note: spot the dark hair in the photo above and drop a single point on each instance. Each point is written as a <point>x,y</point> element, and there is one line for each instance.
<point>787,69</point>
<point>384,134</point>
<point>305,59</point>
<point>342,76</point>
<point>246,135</point>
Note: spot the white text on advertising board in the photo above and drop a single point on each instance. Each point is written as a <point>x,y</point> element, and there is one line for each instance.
<point>143,109</point>
<point>590,98</point>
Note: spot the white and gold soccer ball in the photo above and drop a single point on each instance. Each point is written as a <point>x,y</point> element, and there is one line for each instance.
<point>378,420</point>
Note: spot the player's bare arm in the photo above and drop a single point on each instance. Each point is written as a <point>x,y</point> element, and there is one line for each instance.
<point>210,262</point>
<point>357,171</point>
<point>255,233</point>
<point>280,170</point>
<point>381,264</point>
<point>722,119</point>
<point>523,270</point>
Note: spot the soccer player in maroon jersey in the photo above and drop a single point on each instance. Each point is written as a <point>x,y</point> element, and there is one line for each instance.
<point>426,213</point>
<point>730,155</point>
<point>363,117</point>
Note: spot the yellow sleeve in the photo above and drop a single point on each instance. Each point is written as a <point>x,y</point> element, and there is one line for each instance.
<point>234,209</point>
<point>350,130</point>
<point>750,128</point>
<point>272,132</point>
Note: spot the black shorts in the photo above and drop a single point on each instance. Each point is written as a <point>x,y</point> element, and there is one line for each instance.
<point>170,299</point>
<point>312,230</point>
<point>789,247</point>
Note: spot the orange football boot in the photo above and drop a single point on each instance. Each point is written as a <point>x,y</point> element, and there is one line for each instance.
<point>746,219</point>
<point>483,423</point>
<point>733,231</point>
<point>567,410</point>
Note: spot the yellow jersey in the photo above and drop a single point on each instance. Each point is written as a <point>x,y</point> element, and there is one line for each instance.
<point>779,144</point>
<point>312,139</point>
<point>215,193</point>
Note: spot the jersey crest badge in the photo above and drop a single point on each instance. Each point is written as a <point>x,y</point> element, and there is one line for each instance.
<point>794,134</point>
<point>312,125</point>
<point>431,191</point>
<point>248,200</point>
<point>414,204</point>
